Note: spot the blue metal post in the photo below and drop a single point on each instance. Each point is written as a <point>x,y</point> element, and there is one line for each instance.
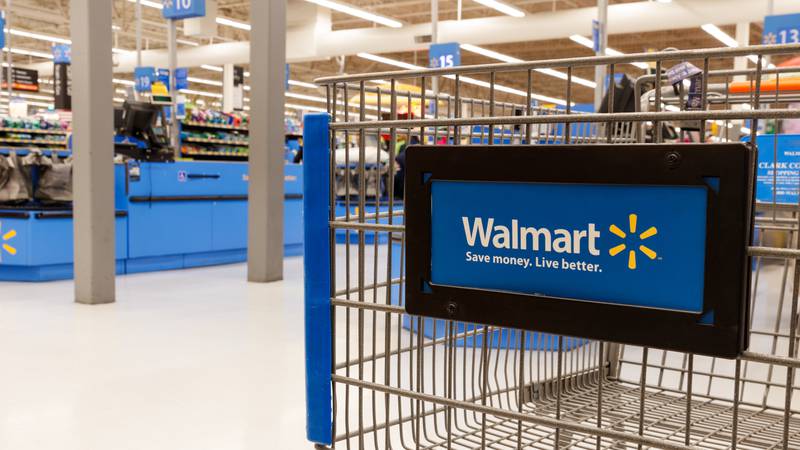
<point>317,272</point>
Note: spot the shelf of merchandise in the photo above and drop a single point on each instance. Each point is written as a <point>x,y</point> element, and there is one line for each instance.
<point>59,143</point>
<point>213,155</point>
<point>216,141</point>
<point>22,151</point>
<point>33,131</point>
<point>219,126</point>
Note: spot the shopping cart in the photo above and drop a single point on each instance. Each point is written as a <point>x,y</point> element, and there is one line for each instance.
<point>380,378</point>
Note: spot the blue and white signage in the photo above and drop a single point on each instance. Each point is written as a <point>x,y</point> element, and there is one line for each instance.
<point>144,77</point>
<point>778,180</point>
<point>62,53</point>
<point>602,243</point>
<point>444,55</point>
<point>181,78</point>
<point>783,29</point>
<point>183,9</point>
<point>162,76</point>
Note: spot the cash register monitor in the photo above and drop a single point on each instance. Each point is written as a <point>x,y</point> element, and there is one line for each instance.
<point>139,119</point>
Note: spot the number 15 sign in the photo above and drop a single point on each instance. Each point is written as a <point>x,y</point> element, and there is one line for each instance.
<point>183,9</point>
<point>444,55</point>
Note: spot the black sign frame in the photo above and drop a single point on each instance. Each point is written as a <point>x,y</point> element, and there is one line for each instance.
<point>728,233</point>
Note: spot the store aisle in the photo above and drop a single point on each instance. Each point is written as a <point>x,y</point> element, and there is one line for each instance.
<point>194,359</point>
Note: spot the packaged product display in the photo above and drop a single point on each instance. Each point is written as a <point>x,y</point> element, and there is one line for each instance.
<point>33,132</point>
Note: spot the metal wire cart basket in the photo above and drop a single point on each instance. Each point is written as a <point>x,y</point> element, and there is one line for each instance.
<point>383,379</point>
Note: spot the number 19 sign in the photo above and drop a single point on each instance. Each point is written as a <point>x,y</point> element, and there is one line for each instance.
<point>183,9</point>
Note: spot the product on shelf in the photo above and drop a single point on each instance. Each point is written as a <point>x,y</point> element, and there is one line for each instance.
<point>34,123</point>
<point>212,117</point>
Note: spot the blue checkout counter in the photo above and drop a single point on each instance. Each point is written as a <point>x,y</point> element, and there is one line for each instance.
<point>168,216</point>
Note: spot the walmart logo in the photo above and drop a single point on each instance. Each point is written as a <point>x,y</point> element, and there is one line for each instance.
<point>650,232</point>
<point>6,237</point>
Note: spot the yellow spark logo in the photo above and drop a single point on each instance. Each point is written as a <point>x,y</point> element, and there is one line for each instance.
<point>7,237</point>
<point>650,232</point>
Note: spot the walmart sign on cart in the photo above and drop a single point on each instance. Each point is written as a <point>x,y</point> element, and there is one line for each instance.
<point>635,244</point>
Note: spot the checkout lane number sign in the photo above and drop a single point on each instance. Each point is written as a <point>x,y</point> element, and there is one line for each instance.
<point>783,29</point>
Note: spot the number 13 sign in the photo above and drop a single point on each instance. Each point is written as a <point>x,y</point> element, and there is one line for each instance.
<point>783,29</point>
<point>183,9</point>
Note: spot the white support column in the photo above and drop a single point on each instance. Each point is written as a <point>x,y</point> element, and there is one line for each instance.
<point>138,33</point>
<point>435,40</point>
<point>265,205</point>
<point>227,88</point>
<point>9,69</point>
<point>600,70</point>
<point>172,48</point>
<point>743,38</point>
<point>93,141</point>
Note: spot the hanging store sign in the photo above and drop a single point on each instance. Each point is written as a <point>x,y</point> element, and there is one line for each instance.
<point>22,79</point>
<point>778,176</point>
<point>654,256</point>
<point>444,55</point>
<point>62,86</point>
<point>238,88</point>
<point>162,76</point>
<point>144,77</point>
<point>783,29</point>
<point>183,9</point>
<point>181,78</point>
<point>62,53</point>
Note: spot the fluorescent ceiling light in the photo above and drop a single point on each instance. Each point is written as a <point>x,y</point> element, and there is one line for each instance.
<point>19,51</point>
<point>204,81</point>
<point>388,61</point>
<point>119,99</point>
<point>41,37</point>
<point>312,98</point>
<point>726,39</point>
<point>212,68</point>
<point>201,93</point>
<point>233,23</point>
<point>31,96</point>
<point>187,42</point>
<point>152,4</point>
<point>122,51</point>
<point>123,82</point>
<point>502,7</point>
<point>510,59</point>
<point>220,20</point>
<point>463,79</point>
<point>720,35</point>
<point>588,43</point>
<point>303,84</point>
<point>305,108</point>
<point>357,12</point>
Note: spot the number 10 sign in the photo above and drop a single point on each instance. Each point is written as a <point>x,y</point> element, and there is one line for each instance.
<point>783,29</point>
<point>183,9</point>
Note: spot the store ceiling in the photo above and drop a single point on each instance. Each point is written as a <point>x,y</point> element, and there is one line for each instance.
<point>51,17</point>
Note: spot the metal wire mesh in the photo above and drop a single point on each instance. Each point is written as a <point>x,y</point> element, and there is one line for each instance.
<point>410,382</point>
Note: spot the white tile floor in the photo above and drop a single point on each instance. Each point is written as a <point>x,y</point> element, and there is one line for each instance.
<point>196,359</point>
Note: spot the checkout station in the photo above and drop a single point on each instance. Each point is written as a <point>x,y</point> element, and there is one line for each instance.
<point>169,214</point>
